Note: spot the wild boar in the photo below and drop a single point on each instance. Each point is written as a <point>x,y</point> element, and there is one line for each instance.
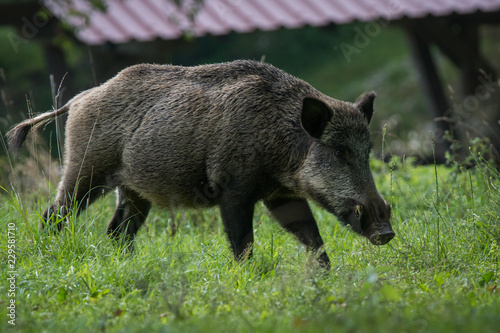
<point>228,134</point>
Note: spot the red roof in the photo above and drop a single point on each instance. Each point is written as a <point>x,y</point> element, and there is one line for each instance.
<point>145,20</point>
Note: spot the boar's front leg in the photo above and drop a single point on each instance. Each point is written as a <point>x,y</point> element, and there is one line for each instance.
<point>296,217</point>
<point>130,213</point>
<point>237,216</point>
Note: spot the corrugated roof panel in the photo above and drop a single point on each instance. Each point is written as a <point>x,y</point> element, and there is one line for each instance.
<point>283,13</point>
<point>260,14</point>
<point>92,36</point>
<point>375,9</point>
<point>144,20</point>
<point>212,16</point>
<point>297,13</point>
<point>208,22</point>
<point>156,13</point>
<point>330,9</point>
<point>356,10</point>
<point>130,22</point>
<point>109,27</point>
<point>313,11</point>
<point>143,31</point>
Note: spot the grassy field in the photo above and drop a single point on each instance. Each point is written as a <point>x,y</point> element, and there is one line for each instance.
<point>440,274</point>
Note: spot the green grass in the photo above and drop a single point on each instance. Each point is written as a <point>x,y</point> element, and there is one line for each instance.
<point>440,274</point>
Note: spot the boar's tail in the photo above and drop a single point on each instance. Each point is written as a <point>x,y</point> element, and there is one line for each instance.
<point>17,135</point>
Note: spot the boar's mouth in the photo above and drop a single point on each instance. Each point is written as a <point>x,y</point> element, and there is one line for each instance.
<point>372,223</point>
<point>378,231</point>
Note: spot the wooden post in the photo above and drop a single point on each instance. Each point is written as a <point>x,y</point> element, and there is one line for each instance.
<point>433,88</point>
<point>470,65</point>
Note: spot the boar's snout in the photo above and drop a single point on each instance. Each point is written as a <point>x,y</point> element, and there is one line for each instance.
<point>379,230</point>
<point>383,237</point>
<point>372,221</point>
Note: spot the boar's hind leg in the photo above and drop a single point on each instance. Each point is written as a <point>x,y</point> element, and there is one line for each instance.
<point>237,216</point>
<point>130,213</point>
<point>296,217</point>
<point>72,193</point>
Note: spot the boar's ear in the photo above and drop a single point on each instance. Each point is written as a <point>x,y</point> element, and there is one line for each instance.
<point>365,105</point>
<point>315,116</point>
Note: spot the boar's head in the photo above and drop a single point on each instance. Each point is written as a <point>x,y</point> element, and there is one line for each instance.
<point>336,171</point>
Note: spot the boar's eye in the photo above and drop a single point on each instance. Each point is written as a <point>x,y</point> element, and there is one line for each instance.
<point>340,152</point>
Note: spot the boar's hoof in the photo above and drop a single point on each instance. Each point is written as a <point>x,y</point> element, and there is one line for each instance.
<point>382,238</point>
